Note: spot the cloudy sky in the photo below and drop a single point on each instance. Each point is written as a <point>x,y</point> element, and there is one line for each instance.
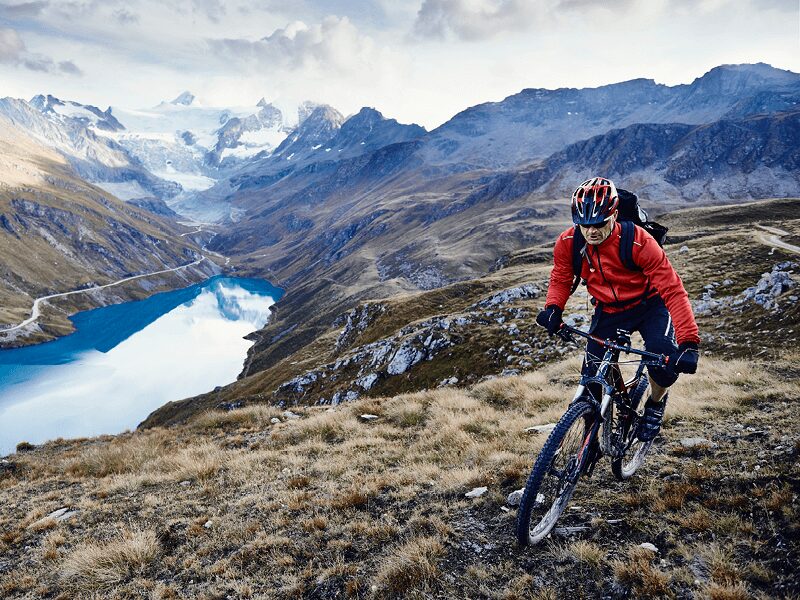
<point>415,60</point>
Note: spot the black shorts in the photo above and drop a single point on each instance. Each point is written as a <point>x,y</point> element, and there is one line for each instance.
<point>653,322</point>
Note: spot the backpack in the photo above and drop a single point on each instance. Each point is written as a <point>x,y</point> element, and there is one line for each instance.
<point>630,214</point>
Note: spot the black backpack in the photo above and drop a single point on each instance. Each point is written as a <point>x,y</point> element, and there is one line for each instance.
<point>630,214</point>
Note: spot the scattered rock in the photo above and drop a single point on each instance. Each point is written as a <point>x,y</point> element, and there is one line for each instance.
<point>367,381</point>
<point>290,415</point>
<point>697,442</point>
<point>515,497</point>
<point>575,319</point>
<point>274,420</point>
<point>369,417</point>
<point>62,514</point>
<point>541,428</point>
<point>506,296</point>
<point>476,492</point>
<point>7,466</point>
<point>649,546</point>
<point>405,358</point>
<point>185,483</point>
<point>765,293</point>
<point>356,322</point>
<point>207,524</point>
<point>565,531</point>
<point>684,249</point>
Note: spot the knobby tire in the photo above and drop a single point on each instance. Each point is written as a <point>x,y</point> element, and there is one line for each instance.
<point>529,532</point>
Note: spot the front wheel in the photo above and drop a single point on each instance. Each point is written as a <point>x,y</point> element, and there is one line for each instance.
<point>554,476</point>
<point>629,452</point>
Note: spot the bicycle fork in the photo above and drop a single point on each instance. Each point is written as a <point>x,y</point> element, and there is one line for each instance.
<point>590,452</point>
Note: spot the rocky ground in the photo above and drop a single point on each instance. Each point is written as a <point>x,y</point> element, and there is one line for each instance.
<point>377,498</point>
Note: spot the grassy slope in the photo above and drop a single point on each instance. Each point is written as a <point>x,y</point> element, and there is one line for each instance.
<point>331,505</point>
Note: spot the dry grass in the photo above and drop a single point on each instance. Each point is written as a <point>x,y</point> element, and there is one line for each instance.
<point>125,454</point>
<point>336,505</point>
<point>257,416</point>
<point>585,553</point>
<point>727,592</point>
<point>721,564</point>
<point>411,566</point>
<point>639,575</point>
<point>725,387</point>
<point>200,462</point>
<point>102,565</point>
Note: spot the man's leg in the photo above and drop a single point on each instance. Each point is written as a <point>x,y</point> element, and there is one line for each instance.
<point>659,337</point>
<point>656,391</point>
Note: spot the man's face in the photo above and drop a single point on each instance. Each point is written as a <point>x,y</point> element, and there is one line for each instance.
<point>596,234</point>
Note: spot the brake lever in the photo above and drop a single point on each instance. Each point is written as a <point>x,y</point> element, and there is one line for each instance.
<point>565,335</point>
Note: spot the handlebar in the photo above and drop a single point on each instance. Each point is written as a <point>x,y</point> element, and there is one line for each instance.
<point>565,332</point>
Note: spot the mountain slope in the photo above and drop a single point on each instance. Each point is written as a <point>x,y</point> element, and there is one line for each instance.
<point>538,122</point>
<point>59,233</point>
<point>470,329</point>
<point>334,233</point>
<point>80,133</point>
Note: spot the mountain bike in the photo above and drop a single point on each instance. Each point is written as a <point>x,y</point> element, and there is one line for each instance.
<point>576,443</point>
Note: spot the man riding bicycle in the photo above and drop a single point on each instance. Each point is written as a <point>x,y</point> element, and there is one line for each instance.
<point>651,300</point>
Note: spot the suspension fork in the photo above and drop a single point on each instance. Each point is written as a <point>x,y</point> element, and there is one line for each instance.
<point>589,453</point>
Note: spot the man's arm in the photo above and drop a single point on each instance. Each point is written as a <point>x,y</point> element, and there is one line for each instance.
<point>654,263</point>
<point>561,277</point>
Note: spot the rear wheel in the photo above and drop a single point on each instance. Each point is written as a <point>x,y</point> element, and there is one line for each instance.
<point>628,452</point>
<point>554,476</point>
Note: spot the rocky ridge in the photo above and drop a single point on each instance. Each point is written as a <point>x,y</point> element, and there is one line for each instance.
<point>359,368</point>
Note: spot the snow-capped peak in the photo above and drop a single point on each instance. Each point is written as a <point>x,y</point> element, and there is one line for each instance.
<point>186,99</point>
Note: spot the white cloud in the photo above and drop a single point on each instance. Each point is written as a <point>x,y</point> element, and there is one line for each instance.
<point>14,52</point>
<point>417,61</point>
<point>11,46</point>
<point>333,43</point>
<point>474,19</point>
<point>23,9</point>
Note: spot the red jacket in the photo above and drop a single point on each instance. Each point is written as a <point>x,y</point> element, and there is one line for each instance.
<point>608,281</point>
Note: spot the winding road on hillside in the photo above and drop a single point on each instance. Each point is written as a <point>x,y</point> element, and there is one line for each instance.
<point>774,239</point>
<point>35,311</point>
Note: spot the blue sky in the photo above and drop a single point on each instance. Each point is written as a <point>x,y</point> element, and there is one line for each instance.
<point>420,61</point>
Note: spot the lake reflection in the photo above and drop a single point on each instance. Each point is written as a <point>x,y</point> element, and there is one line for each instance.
<point>124,361</point>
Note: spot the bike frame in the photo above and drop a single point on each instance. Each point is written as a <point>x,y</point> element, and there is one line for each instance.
<point>586,458</point>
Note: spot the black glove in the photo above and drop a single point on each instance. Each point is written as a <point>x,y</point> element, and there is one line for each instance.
<point>685,359</point>
<point>550,318</point>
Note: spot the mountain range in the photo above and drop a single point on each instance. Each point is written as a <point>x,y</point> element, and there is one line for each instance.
<point>338,209</point>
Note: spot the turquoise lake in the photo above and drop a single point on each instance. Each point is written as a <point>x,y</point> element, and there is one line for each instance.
<point>126,360</point>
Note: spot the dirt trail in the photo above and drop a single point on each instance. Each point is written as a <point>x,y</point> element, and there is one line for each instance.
<point>36,312</point>
<point>774,239</point>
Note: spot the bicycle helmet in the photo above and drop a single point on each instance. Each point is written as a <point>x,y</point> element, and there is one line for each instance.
<point>594,201</point>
